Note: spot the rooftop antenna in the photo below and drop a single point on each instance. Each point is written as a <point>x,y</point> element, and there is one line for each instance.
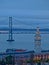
<point>10,30</point>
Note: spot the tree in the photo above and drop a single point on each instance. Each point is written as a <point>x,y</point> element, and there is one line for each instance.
<point>10,60</point>
<point>31,59</point>
<point>3,62</point>
<point>0,62</point>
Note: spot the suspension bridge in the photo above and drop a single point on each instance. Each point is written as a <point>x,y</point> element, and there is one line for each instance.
<point>11,24</point>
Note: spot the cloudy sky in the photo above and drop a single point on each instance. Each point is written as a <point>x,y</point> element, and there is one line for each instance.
<point>28,11</point>
<point>15,7</point>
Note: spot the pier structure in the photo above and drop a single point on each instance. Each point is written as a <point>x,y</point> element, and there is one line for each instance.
<point>10,30</point>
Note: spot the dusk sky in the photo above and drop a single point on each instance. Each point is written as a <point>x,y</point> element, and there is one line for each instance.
<point>23,7</point>
<point>28,11</point>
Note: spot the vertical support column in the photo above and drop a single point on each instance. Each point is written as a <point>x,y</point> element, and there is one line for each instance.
<point>10,30</point>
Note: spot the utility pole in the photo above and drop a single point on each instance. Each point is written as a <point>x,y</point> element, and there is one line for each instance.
<point>10,30</point>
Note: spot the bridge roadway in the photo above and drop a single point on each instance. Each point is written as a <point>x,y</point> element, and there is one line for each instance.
<point>24,31</point>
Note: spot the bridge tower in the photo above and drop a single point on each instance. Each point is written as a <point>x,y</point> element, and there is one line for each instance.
<point>37,41</point>
<point>10,30</point>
